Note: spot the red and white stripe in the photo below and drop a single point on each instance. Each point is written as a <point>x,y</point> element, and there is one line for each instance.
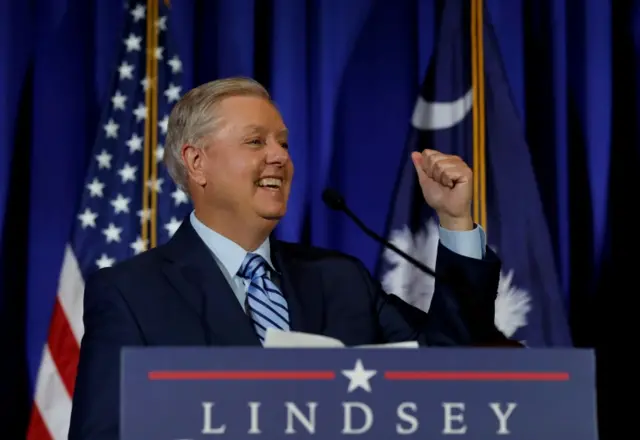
<point>57,373</point>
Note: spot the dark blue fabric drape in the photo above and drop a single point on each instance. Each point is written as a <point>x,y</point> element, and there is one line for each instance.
<point>345,75</point>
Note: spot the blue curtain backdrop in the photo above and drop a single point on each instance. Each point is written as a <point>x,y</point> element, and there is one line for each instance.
<point>345,75</point>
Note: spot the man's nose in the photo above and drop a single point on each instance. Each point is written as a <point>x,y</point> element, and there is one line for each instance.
<point>277,153</point>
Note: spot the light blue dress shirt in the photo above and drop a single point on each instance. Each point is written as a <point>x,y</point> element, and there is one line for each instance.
<point>230,255</point>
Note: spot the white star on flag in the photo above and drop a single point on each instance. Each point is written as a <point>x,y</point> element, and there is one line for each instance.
<point>125,70</point>
<point>359,377</point>
<point>176,64</point>
<point>179,196</point>
<point>173,93</point>
<point>111,129</point>
<point>164,124</point>
<point>140,112</point>
<point>133,42</point>
<point>104,159</point>
<point>118,100</point>
<point>134,143</point>
<point>138,13</point>
<point>127,173</point>
<point>95,188</point>
<point>172,226</point>
<point>159,153</point>
<point>112,233</point>
<point>88,218</point>
<point>105,261</point>
<point>161,24</point>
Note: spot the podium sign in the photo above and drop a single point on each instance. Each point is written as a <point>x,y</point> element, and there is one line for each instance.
<point>367,393</point>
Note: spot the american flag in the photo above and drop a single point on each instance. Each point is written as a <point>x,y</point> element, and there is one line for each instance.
<point>108,226</point>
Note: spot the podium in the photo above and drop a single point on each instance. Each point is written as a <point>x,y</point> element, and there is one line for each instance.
<point>365,393</point>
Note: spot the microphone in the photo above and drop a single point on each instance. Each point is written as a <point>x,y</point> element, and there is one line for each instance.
<point>335,201</point>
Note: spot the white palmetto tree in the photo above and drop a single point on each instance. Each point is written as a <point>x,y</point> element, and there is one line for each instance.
<point>415,287</point>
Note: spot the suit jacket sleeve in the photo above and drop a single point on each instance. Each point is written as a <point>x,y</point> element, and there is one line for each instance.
<point>109,326</point>
<point>462,309</point>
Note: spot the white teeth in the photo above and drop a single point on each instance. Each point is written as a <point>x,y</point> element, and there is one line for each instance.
<point>270,182</point>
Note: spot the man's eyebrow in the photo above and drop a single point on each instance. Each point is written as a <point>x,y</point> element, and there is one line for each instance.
<point>253,127</point>
<point>260,129</point>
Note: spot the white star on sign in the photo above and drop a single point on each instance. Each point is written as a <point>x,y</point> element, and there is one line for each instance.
<point>359,377</point>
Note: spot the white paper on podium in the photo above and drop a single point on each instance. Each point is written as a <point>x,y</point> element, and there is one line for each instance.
<point>281,339</point>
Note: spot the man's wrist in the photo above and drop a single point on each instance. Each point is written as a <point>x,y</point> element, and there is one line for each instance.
<point>456,223</point>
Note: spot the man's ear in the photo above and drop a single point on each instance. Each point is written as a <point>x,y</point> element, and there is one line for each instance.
<point>194,160</point>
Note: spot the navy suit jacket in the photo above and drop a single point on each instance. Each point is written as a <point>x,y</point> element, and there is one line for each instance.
<point>176,295</point>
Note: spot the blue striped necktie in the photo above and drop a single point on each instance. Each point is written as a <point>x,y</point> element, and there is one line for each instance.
<point>266,305</point>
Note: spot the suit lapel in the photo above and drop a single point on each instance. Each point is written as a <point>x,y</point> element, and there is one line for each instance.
<point>196,277</point>
<point>302,287</point>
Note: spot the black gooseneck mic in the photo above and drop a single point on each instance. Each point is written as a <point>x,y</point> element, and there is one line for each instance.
<point>335,201</point>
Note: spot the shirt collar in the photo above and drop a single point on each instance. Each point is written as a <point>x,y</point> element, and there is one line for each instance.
<point>229,254</point>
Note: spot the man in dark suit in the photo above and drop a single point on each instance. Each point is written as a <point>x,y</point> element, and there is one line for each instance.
<point>221,280</point>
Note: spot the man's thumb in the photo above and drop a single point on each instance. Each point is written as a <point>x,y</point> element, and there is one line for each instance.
<point>416,158</point>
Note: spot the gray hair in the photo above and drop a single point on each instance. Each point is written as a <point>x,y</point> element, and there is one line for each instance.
<point>193,118</point>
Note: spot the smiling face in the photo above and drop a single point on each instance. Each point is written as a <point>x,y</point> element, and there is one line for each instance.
<point>243,173</point>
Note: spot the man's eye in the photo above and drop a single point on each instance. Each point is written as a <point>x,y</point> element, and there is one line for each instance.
<point>255,141</point>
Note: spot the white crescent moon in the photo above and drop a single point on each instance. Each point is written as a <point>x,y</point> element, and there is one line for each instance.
<point>441,115</point>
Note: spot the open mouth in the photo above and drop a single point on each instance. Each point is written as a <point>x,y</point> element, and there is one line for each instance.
<point>273,183</point>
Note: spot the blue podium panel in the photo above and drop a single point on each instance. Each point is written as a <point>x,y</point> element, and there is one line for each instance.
<point>367,393</point>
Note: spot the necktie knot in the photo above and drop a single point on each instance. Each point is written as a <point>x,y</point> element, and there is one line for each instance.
<point>253,266</point>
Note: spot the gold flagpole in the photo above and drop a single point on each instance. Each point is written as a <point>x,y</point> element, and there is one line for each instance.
<point>148,94</point>
<point>153,116</point>
<point>479,136</point>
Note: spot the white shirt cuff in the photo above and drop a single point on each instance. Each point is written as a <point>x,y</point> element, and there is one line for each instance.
<point>469,244</point>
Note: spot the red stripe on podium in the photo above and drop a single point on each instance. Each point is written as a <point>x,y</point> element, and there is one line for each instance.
<point>241,375</point>
<point>522,376</point>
